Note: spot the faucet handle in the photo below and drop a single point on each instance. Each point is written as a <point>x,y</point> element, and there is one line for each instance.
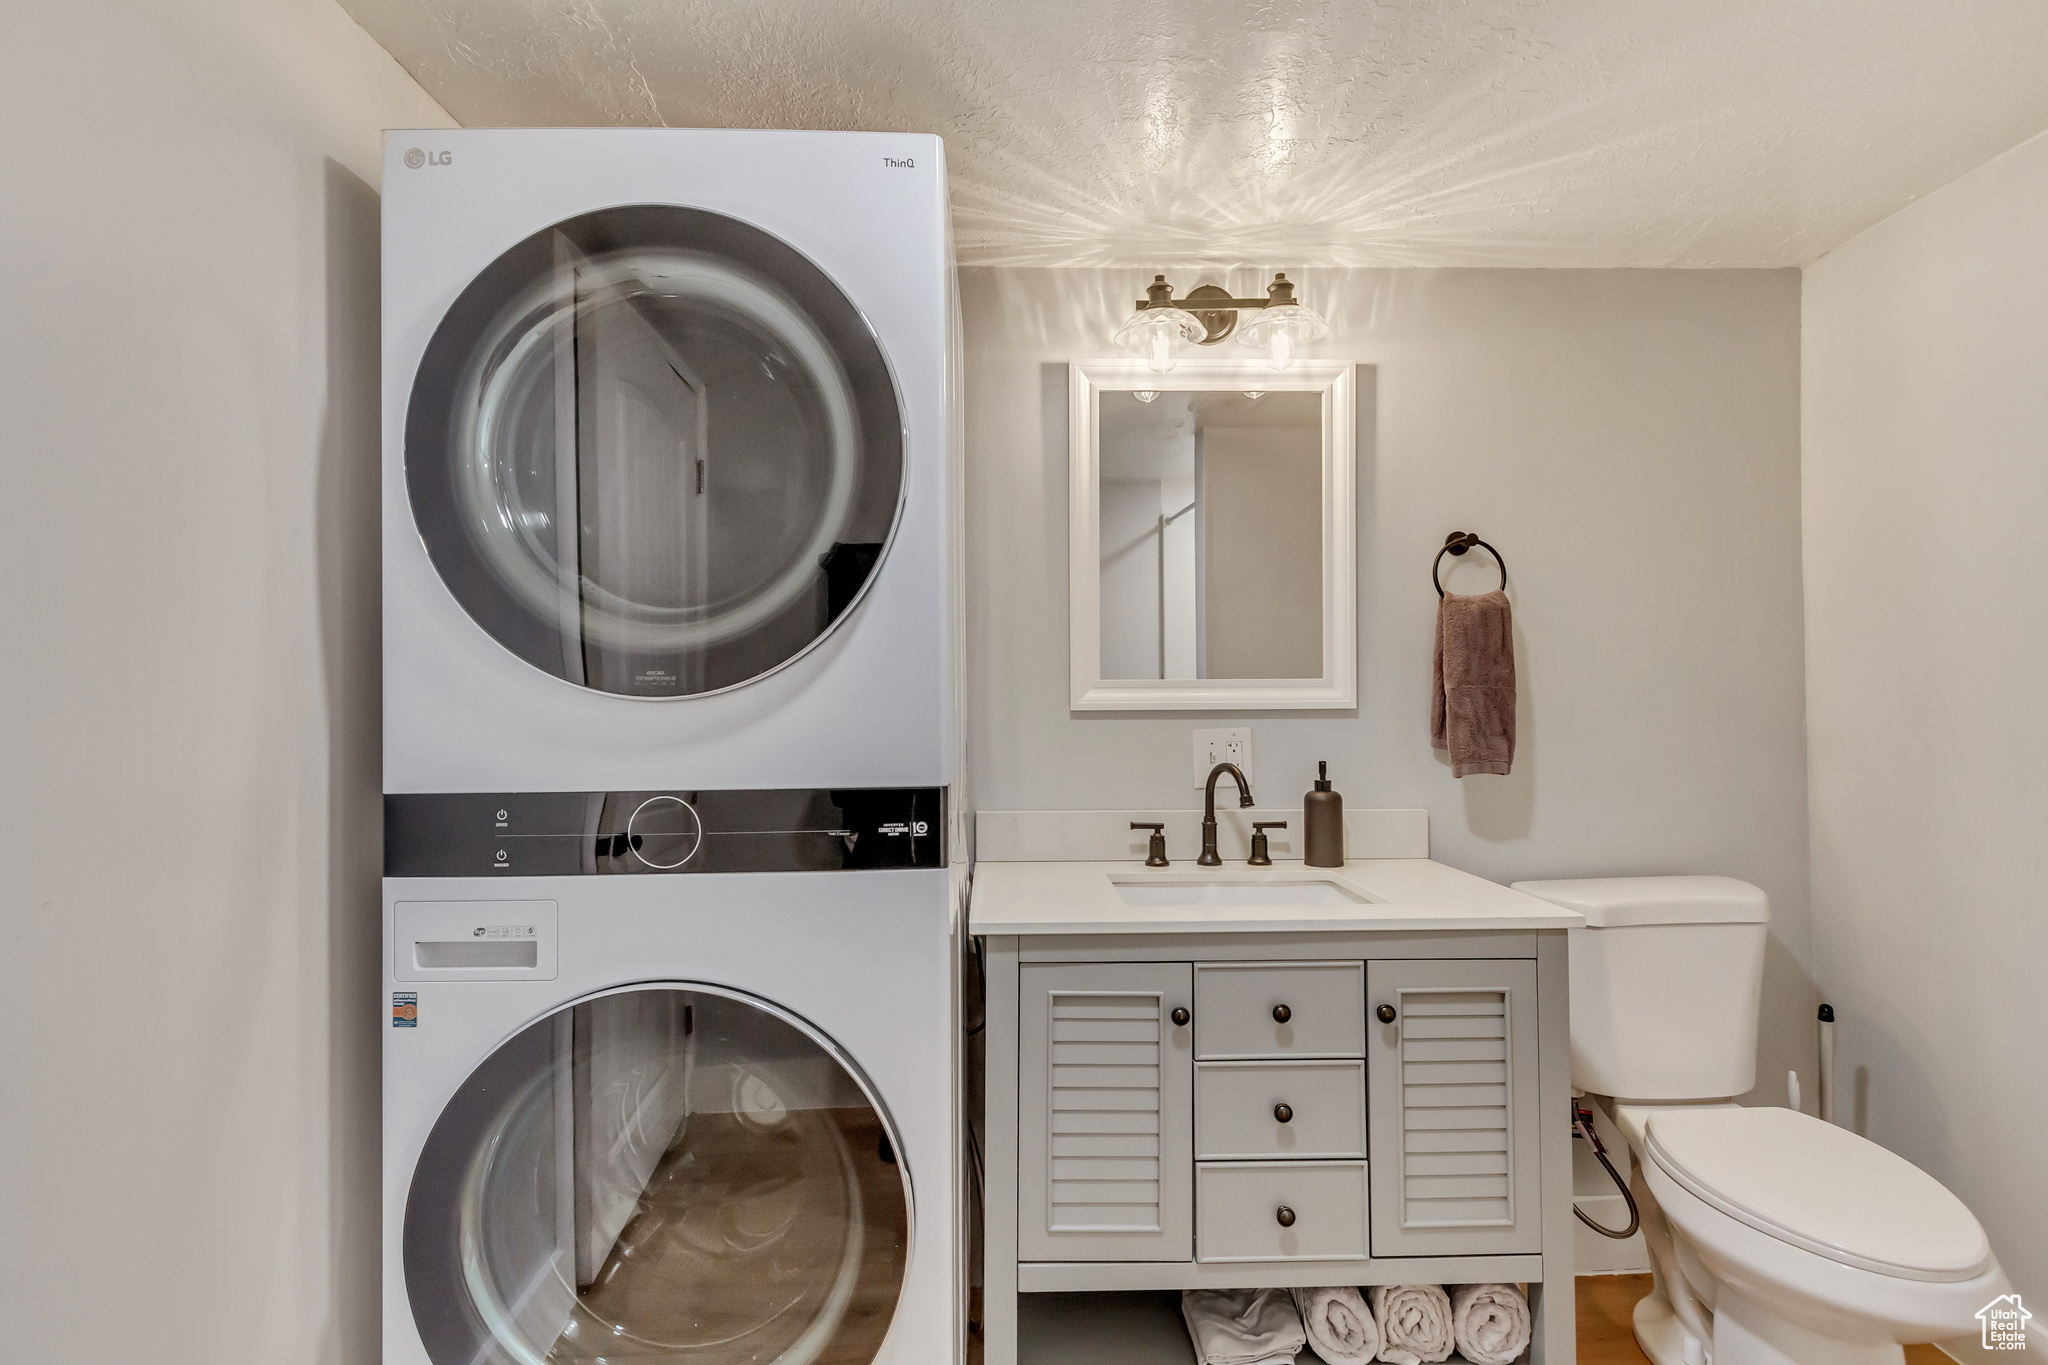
<point>1155,849</point>
<point>1262,855</point>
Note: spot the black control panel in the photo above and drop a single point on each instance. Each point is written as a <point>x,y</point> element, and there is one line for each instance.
<point>652,833</point>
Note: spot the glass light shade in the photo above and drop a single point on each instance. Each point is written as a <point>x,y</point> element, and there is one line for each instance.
<point>1280,330</point>
<point>1159,333</point>
<point>1145,395</point>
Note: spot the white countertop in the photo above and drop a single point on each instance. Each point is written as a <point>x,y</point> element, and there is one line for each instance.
<point>1407,894</point>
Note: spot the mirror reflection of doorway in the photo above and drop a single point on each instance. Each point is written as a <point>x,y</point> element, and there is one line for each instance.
<point>660,1174</point>
<point>1211,535</point>
<point>638,479</point>
<point>655,452</point>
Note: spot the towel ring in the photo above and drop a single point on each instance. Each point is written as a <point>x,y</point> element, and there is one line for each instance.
<point>1456,543</point>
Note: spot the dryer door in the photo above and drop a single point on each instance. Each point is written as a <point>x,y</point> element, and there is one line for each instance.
<point>662,1173</point>
<point>654,451</point>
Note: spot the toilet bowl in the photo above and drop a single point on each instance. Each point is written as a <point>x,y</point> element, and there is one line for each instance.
<point>1774,1237</point>
<point>1797,1241</point>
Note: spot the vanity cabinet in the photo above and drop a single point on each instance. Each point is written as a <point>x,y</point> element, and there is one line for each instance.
<point>1190,1097</point>
<point>1277,1111</point>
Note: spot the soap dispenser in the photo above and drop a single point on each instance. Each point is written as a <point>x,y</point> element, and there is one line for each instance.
<point>1322,815</point>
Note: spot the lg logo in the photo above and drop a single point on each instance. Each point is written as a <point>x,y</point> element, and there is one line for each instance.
<point>415,158</point>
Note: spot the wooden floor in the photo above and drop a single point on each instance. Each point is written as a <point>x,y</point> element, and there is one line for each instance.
<point>1606,1303</point>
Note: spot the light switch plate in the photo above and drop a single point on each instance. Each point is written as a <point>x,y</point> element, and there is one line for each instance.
<point>1223,746</point>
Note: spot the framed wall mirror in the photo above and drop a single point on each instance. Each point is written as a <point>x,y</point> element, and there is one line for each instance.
<point>1212,536</point>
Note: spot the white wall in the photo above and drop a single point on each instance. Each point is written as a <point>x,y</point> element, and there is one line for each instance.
<point>188,368</point>
<point>1630,441</point>
<point>1925,434</point>
<point>1262,551</point>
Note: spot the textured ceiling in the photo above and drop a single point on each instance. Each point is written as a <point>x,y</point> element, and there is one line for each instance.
<point>1469,132</point>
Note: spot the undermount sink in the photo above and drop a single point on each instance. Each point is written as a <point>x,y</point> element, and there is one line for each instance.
<point>1303,892</point>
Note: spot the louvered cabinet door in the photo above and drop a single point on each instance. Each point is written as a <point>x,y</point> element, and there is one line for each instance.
<point>1451,1095</point>
<point>1105,1112</point>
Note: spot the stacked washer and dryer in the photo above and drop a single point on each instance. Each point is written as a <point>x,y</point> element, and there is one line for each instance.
<point>671,906</point>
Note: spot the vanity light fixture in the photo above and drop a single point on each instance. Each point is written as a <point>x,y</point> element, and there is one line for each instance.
<point>1164,324</point>
<point>1144,395</point>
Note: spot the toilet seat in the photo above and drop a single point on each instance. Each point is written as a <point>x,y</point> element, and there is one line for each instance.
<point>1820,1188</point>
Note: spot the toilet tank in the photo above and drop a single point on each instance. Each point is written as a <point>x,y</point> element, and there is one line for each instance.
<point>1666,979</point>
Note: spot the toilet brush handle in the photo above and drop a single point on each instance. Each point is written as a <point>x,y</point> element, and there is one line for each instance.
<point>1827,1063</point>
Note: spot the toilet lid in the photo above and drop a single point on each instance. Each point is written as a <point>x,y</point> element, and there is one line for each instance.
<point>1821,1188</point>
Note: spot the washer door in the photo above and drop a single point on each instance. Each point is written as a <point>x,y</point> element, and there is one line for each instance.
<point>663,1173</point>
<point>654,451</point>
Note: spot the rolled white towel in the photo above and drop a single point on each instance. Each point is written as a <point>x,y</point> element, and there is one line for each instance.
<point>1339,1325</point>
<point>1490,1322</point>
<point>1243,1326</point>
<point>1414,1322</point>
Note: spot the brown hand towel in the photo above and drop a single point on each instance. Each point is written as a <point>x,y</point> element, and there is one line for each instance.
<point>1472,696</point>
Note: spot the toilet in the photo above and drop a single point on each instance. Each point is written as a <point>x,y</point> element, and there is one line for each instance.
<point>1775,1237</point>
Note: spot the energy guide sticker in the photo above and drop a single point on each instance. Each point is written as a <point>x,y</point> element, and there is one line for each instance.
<point>405,1009</point>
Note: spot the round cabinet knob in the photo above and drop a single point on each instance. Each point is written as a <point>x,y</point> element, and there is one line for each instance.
<point>1284,1216</point>
<point>664,832</point>
<point>1386,1014</point>
<point>1180,1017</point>
<point>1281,1014</point>
<point>1283,1113</point>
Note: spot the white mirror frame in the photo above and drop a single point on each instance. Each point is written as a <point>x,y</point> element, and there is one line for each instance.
<point>1338,687</point>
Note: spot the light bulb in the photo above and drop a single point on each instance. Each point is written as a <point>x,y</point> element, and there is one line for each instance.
<point>1278,329</point>
<point>1161,359</point>
<point>1158,333</point>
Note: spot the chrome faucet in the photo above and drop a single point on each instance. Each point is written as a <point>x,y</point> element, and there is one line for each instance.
<point>1209,857</point>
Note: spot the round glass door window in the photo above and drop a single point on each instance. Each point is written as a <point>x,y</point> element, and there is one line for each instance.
<point>655,451</point>
<point>661,1174</point>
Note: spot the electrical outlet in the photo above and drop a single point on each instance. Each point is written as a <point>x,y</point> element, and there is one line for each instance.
<point>1223,746</point>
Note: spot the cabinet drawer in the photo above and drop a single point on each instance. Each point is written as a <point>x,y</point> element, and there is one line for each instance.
<point>1238,1107</point>
<point>1308,1009</point>
<point>1238,1208</point>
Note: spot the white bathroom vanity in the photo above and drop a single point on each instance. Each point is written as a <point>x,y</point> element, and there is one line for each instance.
<point>1243,1076</point>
